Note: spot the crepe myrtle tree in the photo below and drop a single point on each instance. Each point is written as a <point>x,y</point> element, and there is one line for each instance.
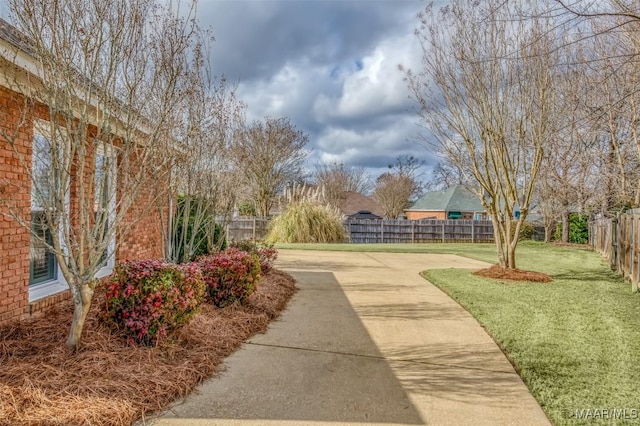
<point>100,97</point>
<point>611,66</point>
<point>337,177</point>
<point>270,154</point>
<point>205,180</point>
<point>394,189</point>
<point>485,98</point>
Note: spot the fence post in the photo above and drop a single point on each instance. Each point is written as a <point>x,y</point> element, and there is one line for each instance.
<point>636,237</point>
<point>443,231</point>
<point>632,253</point>
<point>413,232</point>
<point>382,231</point>
<point>254,228</point>
<point>473,231</point>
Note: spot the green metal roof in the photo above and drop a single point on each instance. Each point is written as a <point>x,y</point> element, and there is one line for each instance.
<point>455,198</point>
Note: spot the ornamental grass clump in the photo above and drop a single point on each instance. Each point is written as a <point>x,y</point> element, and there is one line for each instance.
<point>231,276</point>
<point>307,221</point>
<point>147,299</point>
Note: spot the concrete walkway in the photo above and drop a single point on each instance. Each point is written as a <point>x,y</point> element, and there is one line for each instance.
<point>365,340</point>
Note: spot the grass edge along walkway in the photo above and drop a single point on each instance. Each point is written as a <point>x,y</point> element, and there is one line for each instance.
<point>575,341</point>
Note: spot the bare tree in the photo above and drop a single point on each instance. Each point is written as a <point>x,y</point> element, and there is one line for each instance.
<point>338,178</point>
<point>97,100</point>
<point>617,112</point>
<point>395,189</point>
<point>271,155</point>
<point>392,192</point>
<point>444,175</point>
<point>569,175</point>
<point>205,180</point>
<point>614,47</point>
<point>485,95</point>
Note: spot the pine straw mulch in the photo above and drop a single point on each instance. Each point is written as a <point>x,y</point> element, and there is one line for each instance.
<point>498,272</point>
<point>110,382</point>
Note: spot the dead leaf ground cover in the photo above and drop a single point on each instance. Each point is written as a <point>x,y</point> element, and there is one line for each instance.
<point>110,382</point>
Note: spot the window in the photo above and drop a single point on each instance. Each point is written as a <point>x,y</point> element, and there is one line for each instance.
<point>104,204</point>
<point>43,265</point>
<point>45,277</point>
<point>454,215</point>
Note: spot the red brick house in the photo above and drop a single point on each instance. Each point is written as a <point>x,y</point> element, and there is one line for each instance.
<point>30,278</point>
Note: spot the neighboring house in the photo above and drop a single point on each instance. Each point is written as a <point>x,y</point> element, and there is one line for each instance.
<point>364,214</point>
<point>352,202</point>
<point>455,202</point>
<point>30,278</point>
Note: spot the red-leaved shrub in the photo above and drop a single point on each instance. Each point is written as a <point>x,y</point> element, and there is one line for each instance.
<point>266,253</point>
<point>231,276</point>
<point>149,298</point>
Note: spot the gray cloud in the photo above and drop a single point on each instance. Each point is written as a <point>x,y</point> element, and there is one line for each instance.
<point>331,66</point>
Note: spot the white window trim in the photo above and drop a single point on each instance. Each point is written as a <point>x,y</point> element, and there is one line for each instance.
<point>58,285</point>
<point>48,288</point>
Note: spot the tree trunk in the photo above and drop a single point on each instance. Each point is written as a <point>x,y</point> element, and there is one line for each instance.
<point>548,232</point>
<point>497,236</point>
<point>565,227</point>
<point>511,256</point>
<point>82,295</point>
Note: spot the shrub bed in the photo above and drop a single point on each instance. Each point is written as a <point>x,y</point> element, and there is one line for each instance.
<point>231,276</point>
<point>265,252</point>
<point>149,298</point>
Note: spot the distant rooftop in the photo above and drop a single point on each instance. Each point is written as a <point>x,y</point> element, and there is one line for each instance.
<point>456,198</point>
<point>352,202</point>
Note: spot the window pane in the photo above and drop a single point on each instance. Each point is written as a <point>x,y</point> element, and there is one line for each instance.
<point>43,266</point>
<point>43,262</point>
<point>41,165</point>
<point>103,198</point>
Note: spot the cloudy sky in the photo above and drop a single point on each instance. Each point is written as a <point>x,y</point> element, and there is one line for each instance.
<point>329,65</point>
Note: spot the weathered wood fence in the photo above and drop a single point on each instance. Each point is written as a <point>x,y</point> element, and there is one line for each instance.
<point>382,231</point>
<point>618,240</point>
<point>418,231</point>
<point>247,228</point>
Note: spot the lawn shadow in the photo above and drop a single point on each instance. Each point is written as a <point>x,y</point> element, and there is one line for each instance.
<point>412,311</point>
<point>474,374</point>
<point>589,275</point>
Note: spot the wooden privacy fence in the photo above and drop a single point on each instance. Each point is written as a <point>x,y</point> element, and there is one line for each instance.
<point>247,228</point>
<point>618,240</point>
<point>422,231</point>
<point>382,231</point>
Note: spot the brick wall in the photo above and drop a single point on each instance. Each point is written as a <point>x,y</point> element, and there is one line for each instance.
<point>142,240</point>
<point>14,185</point>
<point>141,236</point>
<point>41,306</point>
<point>426,214</point>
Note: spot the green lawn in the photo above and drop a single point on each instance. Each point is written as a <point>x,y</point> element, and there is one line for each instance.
<point>574,341</point>
<point>476,251</point>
